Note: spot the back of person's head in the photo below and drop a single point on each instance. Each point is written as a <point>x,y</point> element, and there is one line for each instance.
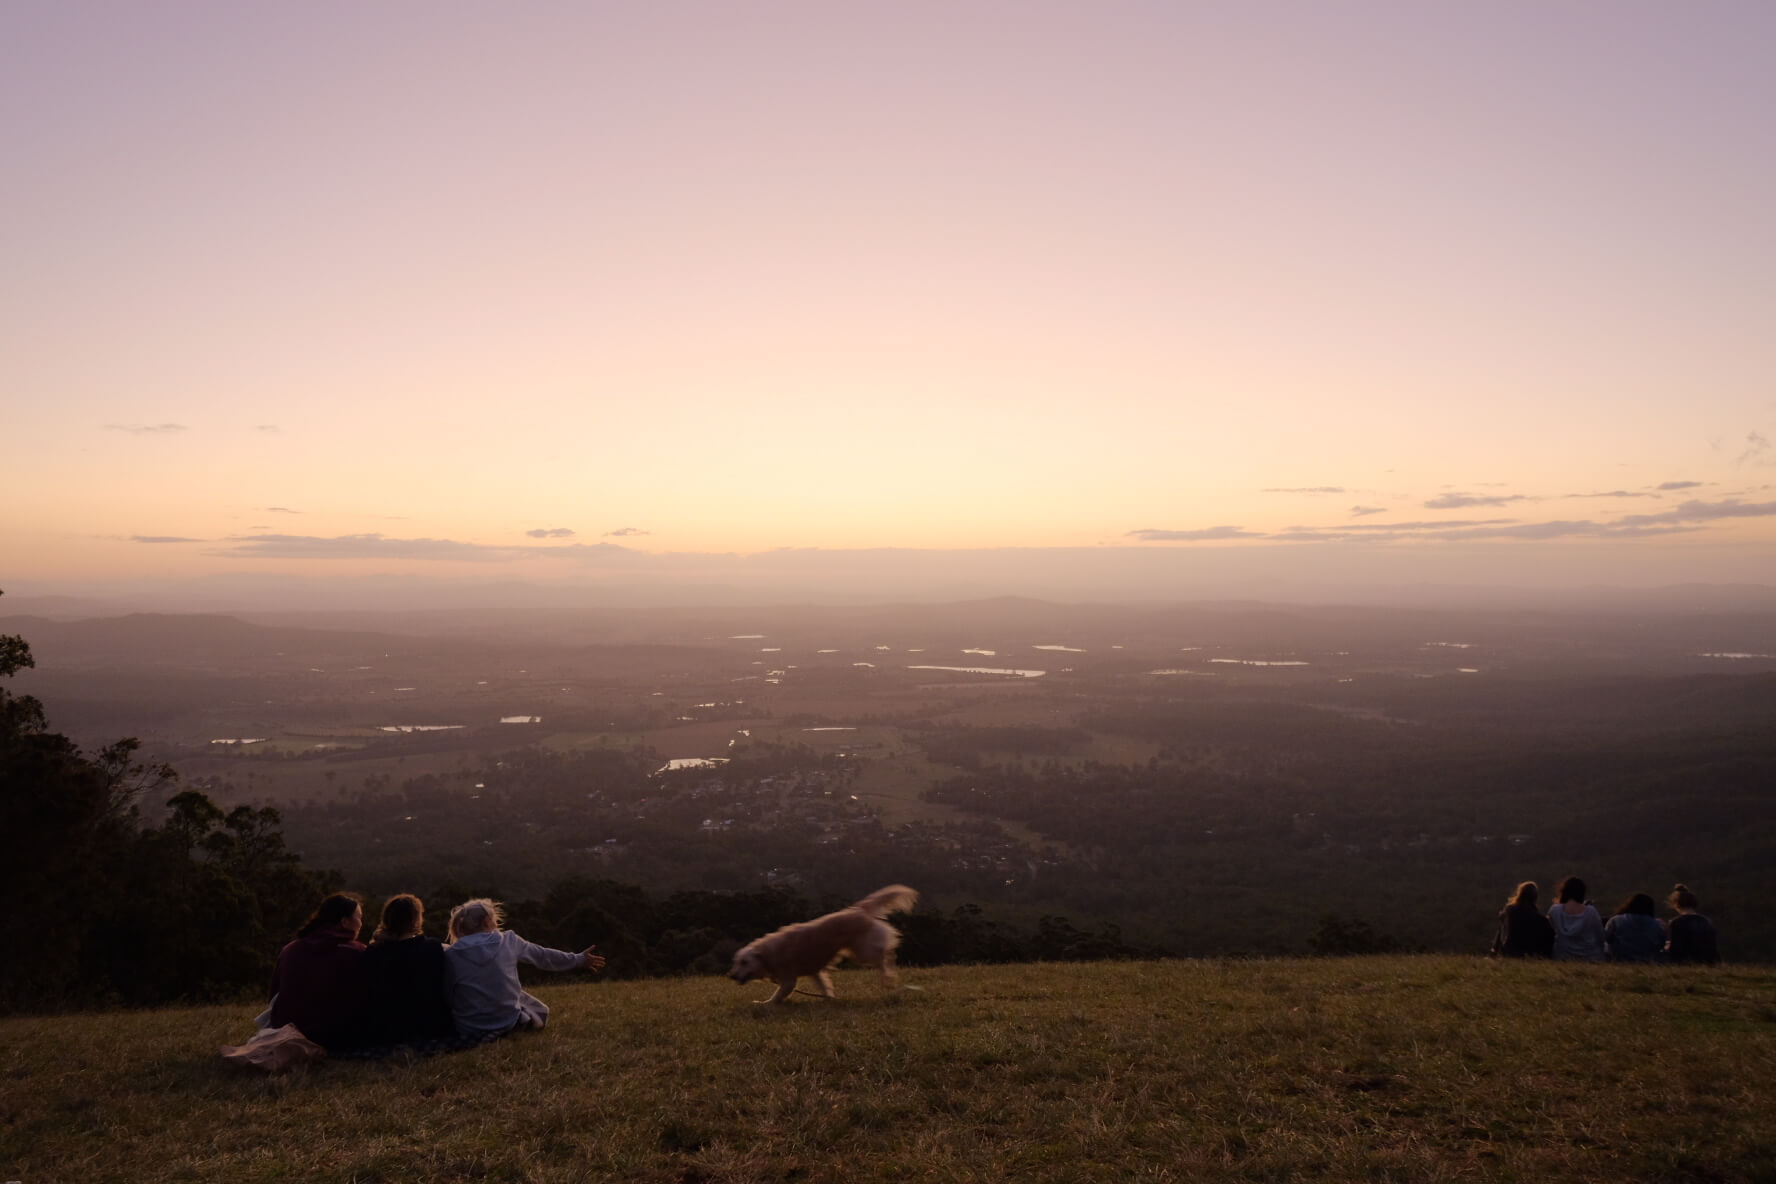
<point>1526,893</point>
<point>1571,888</point>
<point>474,916</point>
<point>336,908</point>
<point>402,917</point>
<point>1682,898</point>
<point>1640,905</point>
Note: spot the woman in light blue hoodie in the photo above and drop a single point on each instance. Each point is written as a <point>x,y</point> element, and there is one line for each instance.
<point>481,971</point>
<point>1578,929</point>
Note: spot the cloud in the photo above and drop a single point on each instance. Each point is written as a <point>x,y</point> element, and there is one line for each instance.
<point>1193,536</point>
<point>1426,532</point>
<point>552,532</point>
<point>1757,450</point>
<point>1385,531</point>
<point>1458,524</point>
<point>1669,486</point>
<point>1613,493</point>
<point>1693,511</point>
<point>1457,501</point>
<point>280,510</point>
<point>623,532</point>
<point>1365,511</point>
<point>1308,489</point>
<point>377,546</point>
<point>161,538</point>
<point>1689,517</point>
<point>272,428</point>
<point>144,429</point>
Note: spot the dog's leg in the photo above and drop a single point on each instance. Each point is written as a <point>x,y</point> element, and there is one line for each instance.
<point>890,976</point>
<point>825,980</point>
<point>785,986</point>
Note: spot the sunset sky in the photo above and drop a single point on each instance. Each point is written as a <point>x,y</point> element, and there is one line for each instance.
<point>1332,292</point>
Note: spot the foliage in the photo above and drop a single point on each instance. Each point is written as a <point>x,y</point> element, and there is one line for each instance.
<point>1343,936</point>
<point>697,932</point>
<point>122,910</point>
<point>968,748</point>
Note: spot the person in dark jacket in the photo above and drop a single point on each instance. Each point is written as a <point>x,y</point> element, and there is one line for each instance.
<point>1634,934</point>
<point>1693,937</point>
<point>319,982</point>
<point>407,1004</point>
<point>1522,930</point>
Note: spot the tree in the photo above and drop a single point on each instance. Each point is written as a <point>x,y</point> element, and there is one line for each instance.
<point>193,908</point>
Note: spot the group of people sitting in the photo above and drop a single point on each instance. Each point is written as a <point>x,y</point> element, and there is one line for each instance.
<point>1574,931</point>
<point>405,988</point>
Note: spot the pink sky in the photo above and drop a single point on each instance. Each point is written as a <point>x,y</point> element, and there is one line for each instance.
<point>1332,293</point>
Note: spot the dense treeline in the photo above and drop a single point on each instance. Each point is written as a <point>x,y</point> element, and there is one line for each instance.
<point>969,748</point>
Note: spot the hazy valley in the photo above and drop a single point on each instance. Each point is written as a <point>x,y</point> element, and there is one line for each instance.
<point>1205,778</point>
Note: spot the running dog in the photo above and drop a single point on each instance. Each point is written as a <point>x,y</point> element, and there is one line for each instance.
<point>812,947</point>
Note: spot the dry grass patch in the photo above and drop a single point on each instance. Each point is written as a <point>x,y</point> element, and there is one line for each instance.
<point>1376,1068</point>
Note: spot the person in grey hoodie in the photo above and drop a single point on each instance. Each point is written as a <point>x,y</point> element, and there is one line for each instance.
<point>481,971</point>
<point>1578,929</point>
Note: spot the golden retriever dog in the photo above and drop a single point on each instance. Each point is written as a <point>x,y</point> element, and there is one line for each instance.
<point>812,947</point>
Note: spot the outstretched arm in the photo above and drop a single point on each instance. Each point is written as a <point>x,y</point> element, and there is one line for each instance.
<point>545,958</point>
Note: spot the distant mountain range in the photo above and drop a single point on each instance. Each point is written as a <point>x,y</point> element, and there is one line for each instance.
<point>392,603</point>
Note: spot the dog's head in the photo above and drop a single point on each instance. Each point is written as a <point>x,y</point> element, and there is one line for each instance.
<point>749,963</point>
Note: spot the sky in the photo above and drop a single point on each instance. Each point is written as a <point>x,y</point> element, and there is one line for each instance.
<point>973,296</point>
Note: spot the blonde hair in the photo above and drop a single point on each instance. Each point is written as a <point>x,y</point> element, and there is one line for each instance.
<point>475,916</point>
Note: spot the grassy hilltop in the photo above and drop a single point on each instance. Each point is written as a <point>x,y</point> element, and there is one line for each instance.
<point>1385,1068</point>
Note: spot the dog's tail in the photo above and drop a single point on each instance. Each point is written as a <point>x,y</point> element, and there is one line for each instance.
<point>895,898</point>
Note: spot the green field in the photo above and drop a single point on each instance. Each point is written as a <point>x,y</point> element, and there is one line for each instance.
<point>1402,1068</point>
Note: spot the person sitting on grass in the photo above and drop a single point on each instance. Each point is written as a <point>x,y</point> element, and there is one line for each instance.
<point>407,1002</point>
<point>1634,934</point>
<point>481,971</point>
<point>1578,930</point>
<point>1522,931</point>
<point>319,983</point>
<point>1693,936</point>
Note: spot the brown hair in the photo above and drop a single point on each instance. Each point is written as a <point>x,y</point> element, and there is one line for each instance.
<point>402,917</point>
<point>1571,888</point>
<point>1526,893</point>
<point>330,912</point>
<point>1682,898</point>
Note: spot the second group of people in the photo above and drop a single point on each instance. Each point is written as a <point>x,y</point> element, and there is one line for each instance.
<point>1573,930</point>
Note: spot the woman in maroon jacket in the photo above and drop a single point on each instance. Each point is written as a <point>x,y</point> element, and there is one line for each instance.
<point>320,983</point>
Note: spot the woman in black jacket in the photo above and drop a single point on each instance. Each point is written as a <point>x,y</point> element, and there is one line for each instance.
<point>406,970</point>
<point>1523,932</point>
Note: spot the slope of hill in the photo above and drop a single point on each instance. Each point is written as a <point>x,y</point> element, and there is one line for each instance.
<point>1427,1068</point>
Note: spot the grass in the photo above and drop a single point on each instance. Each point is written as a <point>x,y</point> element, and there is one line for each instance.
<point>1404,1068</point>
